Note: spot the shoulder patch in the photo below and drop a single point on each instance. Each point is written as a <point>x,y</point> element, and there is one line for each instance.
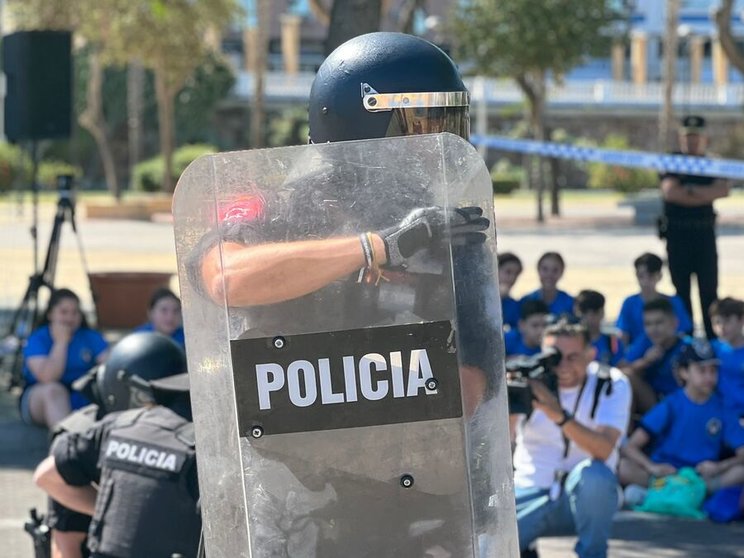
<point>119,452</point>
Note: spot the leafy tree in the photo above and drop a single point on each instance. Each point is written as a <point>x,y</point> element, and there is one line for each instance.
<point>529,40</point>
<point>166,36</point>
<point>723,22</point>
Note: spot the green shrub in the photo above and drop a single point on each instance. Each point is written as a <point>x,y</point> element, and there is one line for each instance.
<point>49,170</point>
<point>628,180</point>
<point>14,165</point>
<point>148,175</point>
<point>506,177</point>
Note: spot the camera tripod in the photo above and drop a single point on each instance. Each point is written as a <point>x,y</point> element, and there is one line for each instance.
<point>26,316</point>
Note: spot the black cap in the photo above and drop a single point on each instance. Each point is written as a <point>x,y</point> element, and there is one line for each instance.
<point>693,124</point>
<point>696,350</point>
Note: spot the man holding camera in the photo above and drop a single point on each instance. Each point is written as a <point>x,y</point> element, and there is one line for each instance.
<point>566,449</point>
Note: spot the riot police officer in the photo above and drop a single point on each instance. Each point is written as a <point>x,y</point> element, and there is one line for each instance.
<point>324,251</point>
<point>141,457</point>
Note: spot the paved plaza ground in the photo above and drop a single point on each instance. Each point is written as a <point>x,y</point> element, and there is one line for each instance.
<point>595,236</point>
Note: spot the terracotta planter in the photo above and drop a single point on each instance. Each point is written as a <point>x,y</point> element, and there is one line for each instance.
<point>121,298</point>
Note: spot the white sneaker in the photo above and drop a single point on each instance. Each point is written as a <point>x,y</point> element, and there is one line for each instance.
<point>634,495</point>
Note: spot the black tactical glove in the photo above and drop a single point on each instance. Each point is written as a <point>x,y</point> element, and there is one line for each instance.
<point>427,228</point>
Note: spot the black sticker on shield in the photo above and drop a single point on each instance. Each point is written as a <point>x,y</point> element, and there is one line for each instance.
<point>346,379</point>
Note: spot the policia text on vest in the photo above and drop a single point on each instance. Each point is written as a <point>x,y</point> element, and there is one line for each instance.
<point>346,379</point>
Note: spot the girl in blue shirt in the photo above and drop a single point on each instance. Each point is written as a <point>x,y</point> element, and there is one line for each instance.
<point>550,268</point>
<point>165,316</point>
<point>56,354</point>
<point>510,268</point>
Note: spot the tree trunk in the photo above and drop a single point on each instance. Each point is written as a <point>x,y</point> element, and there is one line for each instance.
<point>92,119</point>
<point>533,87</point>
<point>165,95</point>
<point>670,63</point>
<point>320,11</point>
<point>135,104</point>
<point>407,13</point>
<point>350,18</point>
<point>555,186</point>
<point>258,63</point>
<point>730,47</point>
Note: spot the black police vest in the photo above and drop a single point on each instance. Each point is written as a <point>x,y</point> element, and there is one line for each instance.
<point>146,505</point>
<point>78,421</point>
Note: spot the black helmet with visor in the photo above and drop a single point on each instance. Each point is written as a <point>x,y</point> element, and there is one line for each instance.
<point>387,84</point>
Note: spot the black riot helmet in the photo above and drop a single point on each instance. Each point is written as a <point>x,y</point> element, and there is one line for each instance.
<point>137,359</point>
<point>387,84</point>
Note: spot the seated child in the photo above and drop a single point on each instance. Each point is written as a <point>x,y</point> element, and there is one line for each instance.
<point>649,360</point>
<point>164,312</point>
<point>727,317</point>
<point>550,268</point>
<point>510,268</point>
<point>589,309</point>
<point>648,272</point>
<point>527,338</point>
<point>688,428</point>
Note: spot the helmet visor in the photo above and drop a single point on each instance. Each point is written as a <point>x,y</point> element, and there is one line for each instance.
<point>429,120</point>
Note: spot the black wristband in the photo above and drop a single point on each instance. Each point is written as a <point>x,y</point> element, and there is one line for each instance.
<point>566,417</point>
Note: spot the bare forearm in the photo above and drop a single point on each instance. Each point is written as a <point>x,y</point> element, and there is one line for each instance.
<point>690,195</point>
<point>596,444</point>
<point>727,464</point>
<point>270,273</point>
<point>637,456</point>
<point>52,367</point>
<point>78,498</point>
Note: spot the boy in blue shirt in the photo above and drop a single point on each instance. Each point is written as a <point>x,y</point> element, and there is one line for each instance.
<point>689,428</point>
<point>650,358</point>
<point>510,268</point>
<point>589,309</point>
<point>550,268</point>
<point>727,317</point>
<point>630,321</point>
<point>526,340</point>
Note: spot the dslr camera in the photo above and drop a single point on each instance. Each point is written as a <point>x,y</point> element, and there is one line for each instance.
<point>518,373</point>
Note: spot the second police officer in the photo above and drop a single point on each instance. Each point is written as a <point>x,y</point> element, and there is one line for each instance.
<point>134,471</point>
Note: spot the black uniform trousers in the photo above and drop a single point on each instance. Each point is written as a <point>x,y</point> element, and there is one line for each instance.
<point>692,250</point>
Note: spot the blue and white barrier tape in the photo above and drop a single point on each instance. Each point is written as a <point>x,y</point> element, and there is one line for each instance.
<point>661,162</point>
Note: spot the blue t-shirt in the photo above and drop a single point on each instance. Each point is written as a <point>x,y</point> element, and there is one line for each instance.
<point>177,335</point>
<point>513,345</point>
<point>686,433</point>
<point>82,351</point>
<point>630,320</point>
<point>610,349</point>
<point>731,375</point>
<point>660,375</point>
<point>563,303</point>
<point>510,311</point>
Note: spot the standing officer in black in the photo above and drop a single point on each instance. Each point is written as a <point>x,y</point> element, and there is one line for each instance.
<point>142,460</point>
<point>688,223</point>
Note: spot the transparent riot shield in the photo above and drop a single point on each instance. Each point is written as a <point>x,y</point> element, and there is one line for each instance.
<point>344,409</point>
